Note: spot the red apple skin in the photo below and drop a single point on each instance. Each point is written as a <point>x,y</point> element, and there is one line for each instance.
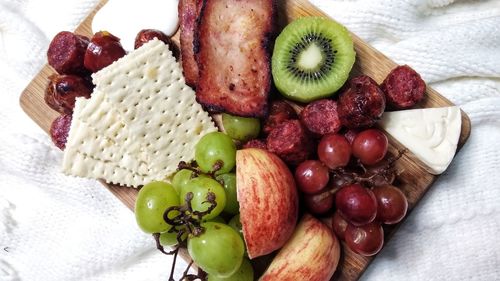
<point>311,254</point>
<point>268,198</point>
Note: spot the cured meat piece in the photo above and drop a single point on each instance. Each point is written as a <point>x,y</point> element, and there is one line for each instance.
<point>59,130</point>
<point>189,10</point>
<point>104,49</point>
<point>234,40</point>
<point>256,143</point>
<point>403,87</point>
<point>279,111</point>
<point>146,35</point>
<point>62,91</point>
<point>290,141</point>
<point>321,117</point>
<point>361,104</point>
<point>66,52</point>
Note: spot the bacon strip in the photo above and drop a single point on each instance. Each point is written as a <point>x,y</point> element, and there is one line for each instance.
<point>233,41</point>
<point>189,10</point>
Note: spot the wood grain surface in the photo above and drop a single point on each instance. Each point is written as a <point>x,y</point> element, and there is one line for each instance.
<point>414,179</point>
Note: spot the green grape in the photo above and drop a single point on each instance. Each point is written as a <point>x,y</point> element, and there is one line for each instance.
<point>218,250</point>
<point>235,224</point>
<point>217,219</point>
<point>244,273</point>
<point>180,179</point>
<point>152,201</point>
<point>169,239</point>
<point>200,187</point>
<point>240,128</point>
<point>215,147</point>
<point>232,205</point>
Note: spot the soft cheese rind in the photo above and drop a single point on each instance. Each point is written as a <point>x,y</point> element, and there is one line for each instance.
<point>431,133</point>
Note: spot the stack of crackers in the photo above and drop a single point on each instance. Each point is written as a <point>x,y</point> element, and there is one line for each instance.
<point>140,122</point>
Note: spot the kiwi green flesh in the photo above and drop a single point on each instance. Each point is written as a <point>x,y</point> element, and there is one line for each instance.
<point>312,59</point>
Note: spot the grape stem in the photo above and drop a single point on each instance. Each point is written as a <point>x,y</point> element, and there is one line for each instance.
<point>385,174</point>
<point>191,220</point>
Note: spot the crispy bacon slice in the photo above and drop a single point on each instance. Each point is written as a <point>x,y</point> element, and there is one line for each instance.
<point>234,42</point>
<point>189,10</point>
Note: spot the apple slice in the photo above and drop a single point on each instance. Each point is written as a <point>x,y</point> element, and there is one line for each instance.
<point>268,200</point>
<point>311,254</point>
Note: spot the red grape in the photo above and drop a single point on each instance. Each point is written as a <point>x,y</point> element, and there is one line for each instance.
<point>370,146</point>
<point>334,151</point>
<point>356,204</point>
<point>318,203</point>
<point>339,225</point>
<point>311,176</point>
<point>366,240</point>
<point>392,204</point>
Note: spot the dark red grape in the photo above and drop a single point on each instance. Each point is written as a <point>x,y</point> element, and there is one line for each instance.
<point>318,203</point>
<point>392,204</point>
<point>366,240</point>
<point>356,204</point>
<point>311,176</point>
<point>339,225</point>
<point>334,151</point>
<point>370,146</point>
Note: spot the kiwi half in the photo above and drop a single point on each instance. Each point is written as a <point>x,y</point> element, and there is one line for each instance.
<point>312,58</point>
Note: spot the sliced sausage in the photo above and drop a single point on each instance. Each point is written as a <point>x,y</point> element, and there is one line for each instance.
<point>279,112</point>
<point>403,87</point>
<point>321,117</point>
<point>361,104</point>
<point>256,143</point>
<point>290,141</point>
<point>147,35</point>
<point>66,53</point>
<point>104,48</point>
<point>62,91</point>
<point>59,130</point>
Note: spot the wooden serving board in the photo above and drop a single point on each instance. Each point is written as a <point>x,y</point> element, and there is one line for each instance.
<point>414,179</point>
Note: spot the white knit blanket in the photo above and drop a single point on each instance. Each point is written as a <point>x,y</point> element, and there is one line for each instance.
<point>55,227</point>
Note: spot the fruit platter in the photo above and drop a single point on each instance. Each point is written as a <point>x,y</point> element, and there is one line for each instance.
<point>265,143</point>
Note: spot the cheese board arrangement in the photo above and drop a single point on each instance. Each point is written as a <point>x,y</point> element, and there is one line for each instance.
<point>260,140</point>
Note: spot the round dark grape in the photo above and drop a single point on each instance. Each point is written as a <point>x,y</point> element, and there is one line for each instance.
<point>392,204</point>
<point>334,151</point>
<point>370,146</point>
<point>311,176</point>
<point>356,204</point>
<point>366,240</point>
<point>339,225</point>
<point>318,203</point>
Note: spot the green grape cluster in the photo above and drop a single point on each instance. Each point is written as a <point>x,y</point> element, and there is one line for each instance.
<point>198,200</point>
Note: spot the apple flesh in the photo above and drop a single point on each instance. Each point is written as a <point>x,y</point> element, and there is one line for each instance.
<point>268,200</point>
<point>311,254</point>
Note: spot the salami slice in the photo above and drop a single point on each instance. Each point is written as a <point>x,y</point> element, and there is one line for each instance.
<point>290,141</point>
<point>403,87</point>
<point>321,117</point>
<point>63,90</point>
<point>256,143</point>
<point>66,53</point>
<point>361,104</point>
<point>279,112</point>
<point>59,130</point>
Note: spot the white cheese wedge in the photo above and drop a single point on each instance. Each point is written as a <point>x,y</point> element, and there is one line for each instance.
<point>140,122</point>
<point>431,134</point>
<point>125,19</point>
